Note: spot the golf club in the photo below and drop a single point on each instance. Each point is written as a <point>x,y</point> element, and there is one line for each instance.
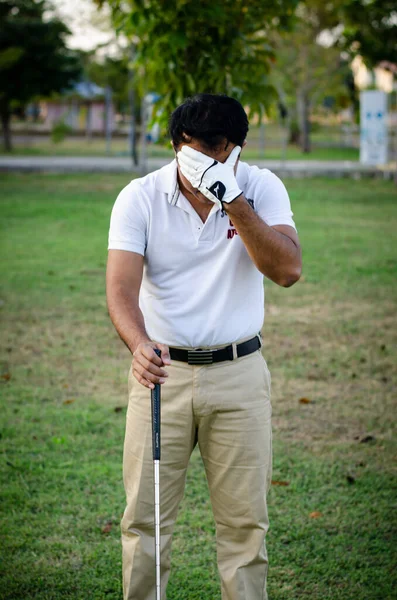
<point>156,422</point>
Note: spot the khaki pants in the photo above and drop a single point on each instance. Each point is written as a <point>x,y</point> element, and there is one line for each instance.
<point>226,407</point>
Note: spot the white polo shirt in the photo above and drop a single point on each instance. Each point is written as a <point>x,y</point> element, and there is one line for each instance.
<point>199,287</point>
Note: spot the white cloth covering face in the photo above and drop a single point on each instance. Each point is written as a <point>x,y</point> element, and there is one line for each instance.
<point>215,180</point>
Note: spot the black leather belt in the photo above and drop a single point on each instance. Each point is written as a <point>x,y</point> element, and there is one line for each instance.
<point>207,357</point>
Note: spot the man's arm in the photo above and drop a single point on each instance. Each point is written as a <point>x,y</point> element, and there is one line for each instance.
<point>123,281</point>
<point>275,251</point>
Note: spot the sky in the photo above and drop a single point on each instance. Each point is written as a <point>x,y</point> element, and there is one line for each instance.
<point>88,25</point>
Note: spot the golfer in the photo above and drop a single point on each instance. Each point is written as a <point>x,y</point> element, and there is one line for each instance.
<point>189,245</point>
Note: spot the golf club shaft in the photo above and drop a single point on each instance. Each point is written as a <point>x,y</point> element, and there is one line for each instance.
<point>156,422</point>
<point>157,526</point>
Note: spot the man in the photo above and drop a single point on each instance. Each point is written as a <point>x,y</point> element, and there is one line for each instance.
<point>188,247</point>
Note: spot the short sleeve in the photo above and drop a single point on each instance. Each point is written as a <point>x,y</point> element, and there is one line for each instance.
<point>128,222</point>
<point>272,201</point>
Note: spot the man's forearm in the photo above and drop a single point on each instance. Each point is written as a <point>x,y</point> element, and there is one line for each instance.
<point>127,317</point>
<point>273,253</point>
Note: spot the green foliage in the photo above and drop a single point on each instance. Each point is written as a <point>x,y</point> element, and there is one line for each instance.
<point>41,63</point>
<point>10,56</point>
<point>216,46</point>
<point>370,30</point>
<point>34,60</point>
<point>306,71</point>
<point>302,62</point>
<point>59,131</point>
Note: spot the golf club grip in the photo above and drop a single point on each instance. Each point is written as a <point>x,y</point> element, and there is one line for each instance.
<point>156,417</point>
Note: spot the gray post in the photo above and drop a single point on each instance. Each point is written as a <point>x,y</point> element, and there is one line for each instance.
<point>108,118</point>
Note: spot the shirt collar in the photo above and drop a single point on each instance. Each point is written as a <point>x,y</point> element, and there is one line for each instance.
<point>167,181</point>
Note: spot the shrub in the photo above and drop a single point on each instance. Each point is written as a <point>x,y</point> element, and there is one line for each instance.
<point>59,131</point>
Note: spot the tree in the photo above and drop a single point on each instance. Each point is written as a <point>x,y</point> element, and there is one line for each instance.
<point>116,73</point>
<point>306,70</point>
<point>112,72</point>
<point>34,59</point>
<point>370,30</point>
<point>218,46</point>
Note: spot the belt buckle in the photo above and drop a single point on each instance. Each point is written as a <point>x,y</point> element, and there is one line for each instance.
<point>199,357</point>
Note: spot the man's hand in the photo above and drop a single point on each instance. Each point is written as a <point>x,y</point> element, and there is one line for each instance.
<point>146,365</point>
<point>215,180</point>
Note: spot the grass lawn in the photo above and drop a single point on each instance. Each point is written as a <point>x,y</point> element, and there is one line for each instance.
<point>330,345</point>
<point>72,146</point>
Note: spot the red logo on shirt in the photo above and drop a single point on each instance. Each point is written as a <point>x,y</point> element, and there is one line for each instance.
<point>231,233</point>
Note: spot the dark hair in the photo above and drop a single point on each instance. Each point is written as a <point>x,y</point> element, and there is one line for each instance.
<point>209,118</point>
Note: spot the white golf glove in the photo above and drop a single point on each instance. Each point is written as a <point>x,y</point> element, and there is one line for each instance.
<point>213,179</point>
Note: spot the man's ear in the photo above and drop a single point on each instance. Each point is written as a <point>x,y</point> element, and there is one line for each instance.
<point>175,147</point>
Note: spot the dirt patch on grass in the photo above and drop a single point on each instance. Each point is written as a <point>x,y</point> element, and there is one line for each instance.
<point>334,373</point>
<point>68,358</point>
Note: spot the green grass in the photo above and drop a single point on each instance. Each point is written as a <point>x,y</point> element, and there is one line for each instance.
<point>72,146</point>
<point>330,339</point>
<point>119,148</point>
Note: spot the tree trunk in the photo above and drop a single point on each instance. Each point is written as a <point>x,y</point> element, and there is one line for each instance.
<point>143,154</point>
<point>262,140</point>
<point>131,102</point>
<point>303,108</point>
<point>5,116</point>
<point>132,129</point>
<point>293,128</point>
